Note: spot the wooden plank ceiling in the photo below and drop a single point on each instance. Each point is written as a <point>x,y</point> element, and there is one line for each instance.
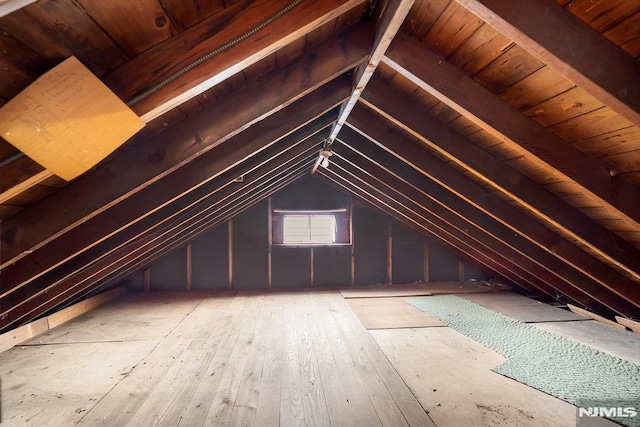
<point>509,134</point>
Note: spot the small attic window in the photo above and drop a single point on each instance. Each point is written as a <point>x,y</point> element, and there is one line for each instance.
<point>309,229</point>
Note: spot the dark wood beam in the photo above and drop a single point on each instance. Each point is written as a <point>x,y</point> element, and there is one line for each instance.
<point>371,202</point>
<point>383,202</point>
<point>282,131</point>
<point>444,81</point>
<point>151,245</point>
<point>388,25</point>
<point>160,62</point>
<point>174,148</point>
<point>492,236</point>
<point>409,116</point>
<point>569,46</point>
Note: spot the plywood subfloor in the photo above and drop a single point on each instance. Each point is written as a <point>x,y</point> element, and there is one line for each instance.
<point>522,308</point>
<point>418,289</point>
<point>268,359</point>
<point>619,343</point>
<point>389,313</point>
<point>282,358</point>
<point>451,375</point>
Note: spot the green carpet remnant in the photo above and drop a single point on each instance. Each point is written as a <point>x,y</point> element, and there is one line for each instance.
<point>563,368</point>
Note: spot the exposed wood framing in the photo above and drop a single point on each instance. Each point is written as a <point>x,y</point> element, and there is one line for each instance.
<point>8,6</point>
<point>133,77</point>
<point>189,269</point>
<point>24,186</point>
<point>528,261</point>
<point>389,252</point>
<point>493,212</point>
<point>151,246</point>
<point>413,221</point>
<point>444,81</point>
<point>40,326</point>
<point>410,117</point>
<point>186,183</point>
<point>581,54</point>
<point>387,27</point>
<point>179,145</point>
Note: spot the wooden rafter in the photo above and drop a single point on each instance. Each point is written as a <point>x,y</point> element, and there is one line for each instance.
<point>151,67</point>
<point>148,249</point>
<point>478,226</point>
<point>387,27</point>
<point>410,220</point>
<point>411,117</point>
<point>156,158</point>
<point>444,81</point>
<point>189,182</point>
<point>569,46</point>
<point>383,201</point>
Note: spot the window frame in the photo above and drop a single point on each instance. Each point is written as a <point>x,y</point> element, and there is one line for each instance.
<point>341,218</point>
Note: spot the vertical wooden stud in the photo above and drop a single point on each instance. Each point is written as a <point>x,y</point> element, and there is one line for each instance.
<point>312,279</point>
<point>425,261</point>
<point>230,231</point>
<point>353,243</point>
<point>389,252</point>
<point>270,238</point>
<point>461,271</point>
<point>147,280</point>
<point>189,269</point>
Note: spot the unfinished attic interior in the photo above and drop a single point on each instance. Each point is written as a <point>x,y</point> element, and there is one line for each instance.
<point>320,212</point>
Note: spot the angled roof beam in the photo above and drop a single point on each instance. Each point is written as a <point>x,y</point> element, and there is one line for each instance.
<point>388,25</point>
<point>384,201</point>
<point>160,62</point>
<point>489,234</point>
<point>8,6</point>
<point>153,159</point>
<point>184,213</point>
<point>149,248</point>
<point>444,81</point>
<point>367,123</point>
<point>479,259</point>
<point>569,46</point>
<point>296,122</point>
<point>411,117</point>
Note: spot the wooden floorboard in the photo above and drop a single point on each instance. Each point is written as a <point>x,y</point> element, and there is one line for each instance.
<point>245,358</point>
<point>300,357</point>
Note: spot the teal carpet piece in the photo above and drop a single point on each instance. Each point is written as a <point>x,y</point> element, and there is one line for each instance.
<point>568,370</point>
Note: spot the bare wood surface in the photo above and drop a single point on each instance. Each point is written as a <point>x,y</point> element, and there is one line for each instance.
<point>389,313</point>
<point>442,138</point>
<point>270,357</point>
<point>163,155</point>
<point>631,324</point>
<point>24,185</point>
<point>40,326</point>
<point>460,92</point>
<point>459,221</point>
<point>388,25</point>
<point>581,54</point>
<point>522,308</point>
<point>133,77</point>
<point>614,341</point>
<point>594,316</point>
<point>471,396</point>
